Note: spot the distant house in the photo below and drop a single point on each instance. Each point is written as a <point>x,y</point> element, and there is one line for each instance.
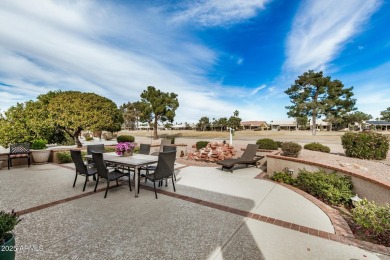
<point>254,125</point>
<point>320,125</point>
<point>284,125</point>
<point>379,125</point>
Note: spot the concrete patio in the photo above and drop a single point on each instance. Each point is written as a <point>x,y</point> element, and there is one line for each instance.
<point>213,215</point>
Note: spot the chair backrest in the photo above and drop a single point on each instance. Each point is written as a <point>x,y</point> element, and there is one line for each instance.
<point>164,142</point>
<point>100,165</point>
<point>144,149</point>
<point>249,153</point>
<point>19,148</point>
<point>95,148</point>
<point>168,148</point>
<point>78,161</point>
<point>165,165</point>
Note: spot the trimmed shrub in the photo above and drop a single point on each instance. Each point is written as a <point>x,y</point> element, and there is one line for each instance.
<point>267,144</point>
<point>283,177</point>
<point>317,147</point>
<point>279,143</point>
<point>373,218</point>
<point>331,188</point>
<point>109,149</point>
<point>201,144</point>
<point>291,149</point>
<point>365,145</point>
<point>64,157</point>
<point>125,138</point>
<point>136,150</point>
<point>39,144</point>
<point>88,138</point>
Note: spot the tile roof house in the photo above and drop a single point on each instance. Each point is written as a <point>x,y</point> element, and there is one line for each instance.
<point>284,125</point>
<point>254,125</point>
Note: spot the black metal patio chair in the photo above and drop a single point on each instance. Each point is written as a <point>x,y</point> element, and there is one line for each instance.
<point>164,169</point>
<point>19,150</point>
<point>103,172</point>
<point>81,168</point>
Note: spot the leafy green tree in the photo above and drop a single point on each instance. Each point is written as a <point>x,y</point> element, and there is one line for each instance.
<point>385,114</point>
<point>234,121</point>
<point>131,114</point>
<point>74,111</point>
<point>314,95</point>
<point>56,114</point>
<point>223,123</point>
<point>356,117</point>
<point>302,121</point>
<point>204,123</point>
<point>157,106</point>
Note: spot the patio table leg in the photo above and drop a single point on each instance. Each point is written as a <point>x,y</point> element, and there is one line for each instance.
<point>136,180</point>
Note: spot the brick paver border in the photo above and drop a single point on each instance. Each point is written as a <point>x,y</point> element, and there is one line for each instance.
<point>341,236</point>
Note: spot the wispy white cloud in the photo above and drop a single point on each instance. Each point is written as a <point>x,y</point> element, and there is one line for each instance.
<point>321,28</point>
<point>211,13</point>
<point>109,50</point>
<point>257,90</point>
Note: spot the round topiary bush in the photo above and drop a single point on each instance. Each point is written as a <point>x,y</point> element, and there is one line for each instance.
<point>125,138</point>
<point>201,144</point>
<point>365,145</point>
<point>317,147</point>
<point>291,149</point>
<point>267,144</point>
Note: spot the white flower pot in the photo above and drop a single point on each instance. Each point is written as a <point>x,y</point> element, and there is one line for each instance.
<point>40,156</point>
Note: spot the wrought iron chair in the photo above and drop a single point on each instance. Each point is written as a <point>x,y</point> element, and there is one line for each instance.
<point>81,168</point>
<point>164,169</point>
<point>104,173</point>
<point>19,150</point>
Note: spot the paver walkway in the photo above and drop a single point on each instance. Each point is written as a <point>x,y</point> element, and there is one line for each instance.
<point>213,215</point>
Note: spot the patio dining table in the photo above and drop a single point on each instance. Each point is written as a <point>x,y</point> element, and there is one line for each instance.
<point>135,161</point>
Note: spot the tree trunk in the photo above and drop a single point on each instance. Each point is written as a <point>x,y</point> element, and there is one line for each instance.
<point>314,125</point>
<point>76,137</point>
<point>155,136</point>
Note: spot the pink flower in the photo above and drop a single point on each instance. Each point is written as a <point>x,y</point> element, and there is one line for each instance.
<point>124,147</point>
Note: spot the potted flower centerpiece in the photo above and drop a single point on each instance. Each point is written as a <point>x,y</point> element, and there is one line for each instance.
<point>125,148</point>
<point>39,152</point>
<point>7,239</point>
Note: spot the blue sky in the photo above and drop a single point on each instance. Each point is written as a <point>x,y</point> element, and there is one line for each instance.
<point>218,56</point>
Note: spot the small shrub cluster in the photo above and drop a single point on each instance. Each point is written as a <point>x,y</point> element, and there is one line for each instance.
<point>373,218</point>
<point>136,150</point>
<point>331,188</point>
<point>125,138</point>
<point>317,147</point>
<point>39,144</point>
<point>267,144</point>
<point>7,223</point>
<point>279,143</point>
<point>108,149</point>
<point>283,177</point>
<point>365,145</point>
<point>201,144</point>
<point>291,149</point>
<point>64,157</point>
<point>89,138</point>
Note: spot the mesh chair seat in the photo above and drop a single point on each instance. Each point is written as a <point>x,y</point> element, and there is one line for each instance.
<point>81,168</point>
